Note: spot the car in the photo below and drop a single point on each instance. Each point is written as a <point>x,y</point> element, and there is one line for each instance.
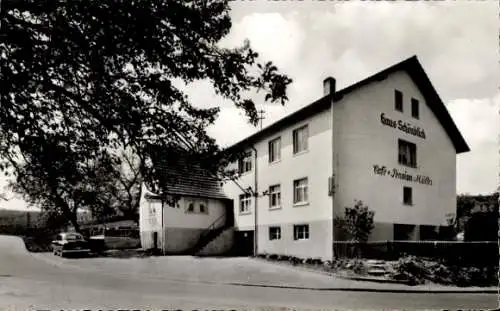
<point>70,243</point>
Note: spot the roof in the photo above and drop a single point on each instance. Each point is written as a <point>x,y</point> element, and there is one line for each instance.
<point>185,176</point>
<point>411,66</point>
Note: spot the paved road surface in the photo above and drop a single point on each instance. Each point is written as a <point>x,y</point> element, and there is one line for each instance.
<point>27,282</point>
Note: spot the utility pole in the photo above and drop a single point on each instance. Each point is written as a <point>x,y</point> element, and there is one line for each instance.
<point>261,117</point>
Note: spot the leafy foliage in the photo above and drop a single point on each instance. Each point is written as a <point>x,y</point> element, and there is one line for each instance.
<point>124,186</point>
<point>417,271</point>
<point>478,216</point>
<point>357,223</point>
<point>83,78</point>
<point>62,182</point>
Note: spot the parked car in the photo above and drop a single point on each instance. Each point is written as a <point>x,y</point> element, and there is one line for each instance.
<point>70,243</point>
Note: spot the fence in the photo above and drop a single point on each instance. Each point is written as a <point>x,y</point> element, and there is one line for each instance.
<point>453,252</point>
<point>111,232</point>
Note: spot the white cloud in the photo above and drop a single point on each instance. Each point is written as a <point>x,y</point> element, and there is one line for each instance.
<point>478,121</point>
<point>276,37</point>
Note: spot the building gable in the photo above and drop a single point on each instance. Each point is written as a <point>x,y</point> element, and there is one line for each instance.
<point>414,69</point>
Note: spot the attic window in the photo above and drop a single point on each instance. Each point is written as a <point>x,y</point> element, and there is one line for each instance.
<point>398,100</point>
<point>414,108</point>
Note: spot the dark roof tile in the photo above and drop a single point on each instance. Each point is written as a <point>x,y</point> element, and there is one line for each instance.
<point>185,177</point>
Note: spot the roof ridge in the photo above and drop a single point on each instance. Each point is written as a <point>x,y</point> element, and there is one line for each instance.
<point>417,73</point>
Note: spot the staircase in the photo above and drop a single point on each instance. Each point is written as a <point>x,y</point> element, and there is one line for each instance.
<point>210,234</point>
<point>377,268</point>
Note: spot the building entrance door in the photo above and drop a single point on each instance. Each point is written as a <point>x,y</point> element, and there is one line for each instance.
<point>243,243</point>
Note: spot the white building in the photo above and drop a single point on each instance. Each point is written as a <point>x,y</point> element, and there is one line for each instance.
<point>192,216</point>
<point>387,140</point>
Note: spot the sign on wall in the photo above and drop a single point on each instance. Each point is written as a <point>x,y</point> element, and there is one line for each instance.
<point>401,174</point>
<point>402,126</point>
<point>153,221</point>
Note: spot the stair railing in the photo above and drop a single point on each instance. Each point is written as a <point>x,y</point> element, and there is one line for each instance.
<point>207,231</point>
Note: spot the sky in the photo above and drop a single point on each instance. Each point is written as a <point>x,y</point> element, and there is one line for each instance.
<point>456,42</point>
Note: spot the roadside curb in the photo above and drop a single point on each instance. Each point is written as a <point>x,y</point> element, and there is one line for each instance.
<point>376,290</point>
<point>404,286</point>
<point>374,280</point>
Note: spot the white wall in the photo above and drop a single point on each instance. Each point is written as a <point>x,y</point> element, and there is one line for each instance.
<point>178,217</point>
<point>149,213</point>
<point>149,220</point>
<point>364,142</point>
<point>183,226</point>
<point>315,164</point>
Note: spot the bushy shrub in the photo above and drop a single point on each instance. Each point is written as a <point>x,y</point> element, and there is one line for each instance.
<point>475,276</point>
<point>357,223</point>
<point>272,256</point>
<point>416,271</point>
<point>439,273</point>
<point>411,269</point>
<point>359,267</point>
<point>295,260</point>
<point>283,257</point>
<point>317,261</point>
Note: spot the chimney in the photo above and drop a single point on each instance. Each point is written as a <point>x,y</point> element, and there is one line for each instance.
<point>329,86</point>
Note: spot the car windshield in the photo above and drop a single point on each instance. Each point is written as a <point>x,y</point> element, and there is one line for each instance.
<point>73,237</point>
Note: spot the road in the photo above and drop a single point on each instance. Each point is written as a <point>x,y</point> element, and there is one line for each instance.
<point>26,282</point>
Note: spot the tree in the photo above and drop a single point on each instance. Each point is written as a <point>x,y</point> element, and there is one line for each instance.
<point>478,216</point>
<point>357,223</point>
<point>125,185</point>
<point>62,182</point>
<point>88,77</point>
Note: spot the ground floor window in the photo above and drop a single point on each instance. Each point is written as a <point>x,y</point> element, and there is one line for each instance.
<point>429,233</point>
<point>301,232</point>
<point>274,233</point>
<point>403,232</point>
<point>407,196</point>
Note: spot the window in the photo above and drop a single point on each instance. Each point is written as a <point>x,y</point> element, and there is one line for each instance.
<point>300,137</point>
<point>414,108</point>
<point>245,164</point>
<point>245,201</point>
<point>275,196</point>
<point>190,208</point>
<point>301,232</point>
<point>300,191</point>
<point>403,232</point>
<point>398,100</point>
<point>274,233</point>
<point>203,208</point>
<point>275,150</point>
<point>407,196</point>
<point>407,154</point>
